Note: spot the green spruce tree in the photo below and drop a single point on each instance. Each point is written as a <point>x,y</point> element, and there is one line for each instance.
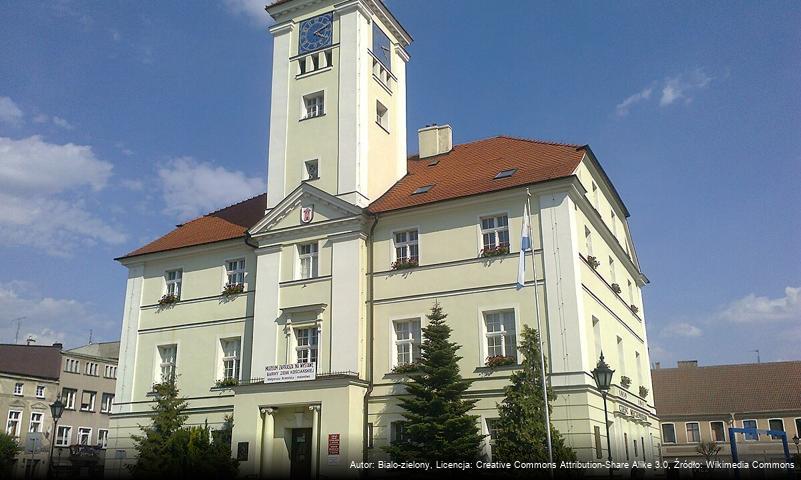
<point>438,426</point>
<point>521,430</point>
<point>156,447</point>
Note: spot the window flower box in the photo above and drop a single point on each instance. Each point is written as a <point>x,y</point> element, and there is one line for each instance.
<point>233,289</point>
<point>594,263</point>
<point>405,368</point>
<point>496,251</point>
<point>168,299</point>
<point>625,382</point>
<point>404,263</point>
<point>643,391</point>
<point>616,288</point>
<point>496,361</point>
<point>226,383</point>
<point>634,308</point>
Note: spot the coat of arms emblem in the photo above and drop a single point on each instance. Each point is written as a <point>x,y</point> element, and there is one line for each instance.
<point>306,214</point>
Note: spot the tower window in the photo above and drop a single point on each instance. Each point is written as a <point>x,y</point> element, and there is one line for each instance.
<point>314,105</point>
<point>382,116</point>
<point>311,170</point>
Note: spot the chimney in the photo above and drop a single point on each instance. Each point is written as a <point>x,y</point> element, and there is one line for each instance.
<point>687,363</point>
<point>435,140</point>
<point>657,366</point>
<point>58,345</point>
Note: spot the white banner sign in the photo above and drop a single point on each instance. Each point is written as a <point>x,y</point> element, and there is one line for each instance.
<point>293,372</point>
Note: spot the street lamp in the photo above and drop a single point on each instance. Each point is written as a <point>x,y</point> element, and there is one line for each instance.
<point>603,380</point>
<point>797,440</point>
<point>56,409</point>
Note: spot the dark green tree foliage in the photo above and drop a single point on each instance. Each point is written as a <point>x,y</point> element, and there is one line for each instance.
<point>438,426</point>
<point>167,449</point>
<point>9,449</point>
<point>521,433</point>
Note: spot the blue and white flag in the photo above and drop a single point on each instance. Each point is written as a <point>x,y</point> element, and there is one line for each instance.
<point>525,246</point>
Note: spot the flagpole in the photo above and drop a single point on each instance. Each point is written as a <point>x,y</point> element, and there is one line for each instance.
<point>542,348</point>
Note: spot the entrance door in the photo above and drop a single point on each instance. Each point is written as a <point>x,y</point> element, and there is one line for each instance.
<point>300,457</point>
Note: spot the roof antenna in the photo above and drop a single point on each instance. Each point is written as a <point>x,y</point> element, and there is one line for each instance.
<point>90,336</point>
<point>19,321</point>
<point>757,352</point>
<point>30,340</point>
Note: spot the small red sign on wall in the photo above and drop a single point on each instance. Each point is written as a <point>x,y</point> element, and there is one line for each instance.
<point>333,444</point>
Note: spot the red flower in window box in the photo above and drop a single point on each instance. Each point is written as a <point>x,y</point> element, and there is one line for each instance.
<point>168,299</point>
<point>404,263</point>
<point>496,251</point>
<point>496,361</point>
<point>233,289</point>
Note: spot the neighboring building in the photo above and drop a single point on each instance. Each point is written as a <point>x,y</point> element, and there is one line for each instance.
<point>32,377</point>
<point>28,385</point>
<point>87,385</point>
<point>699,404</point>
<point>336,266</point>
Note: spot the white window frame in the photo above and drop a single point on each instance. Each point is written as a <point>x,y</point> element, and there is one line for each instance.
<point>312,345</point>
<point>92,400</point>
<point>236,359</point>
<point>238,273</point>
<point>91,369</point>
<point>662,432</point>
<point>160,364</point>
<point>110,371</point>
<point>612,274</point>
<point>17,424</point>
<point>102,440</point>
<point>72,366</point>
<point>40,423</point>
<point>406,244</point>
<point>19,389</point>
<point>313,256</point>
<point>485,335</point>
<point>712,431</point>
<point>413,342</point>
<point>66,441</point>
<point>174,285</point>
<point>797,424</point>
<point>106,398</point>
<point>40,391</point>
<point>382,115</point>
<point>756,425</point>
<point>88,438</point>
<point>495,230</point>
<point>319,108</point>
<point>69,395</point>
<point>687,432</point>
<point>783,429</point>
<point>306,171</point>
<point>588,240</point>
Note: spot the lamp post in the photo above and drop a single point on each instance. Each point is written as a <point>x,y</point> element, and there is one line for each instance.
<point>603,380</point>
<point>797,440</point>
<point>56,409</point>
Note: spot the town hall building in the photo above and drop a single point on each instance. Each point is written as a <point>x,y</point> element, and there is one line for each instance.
<point>297,311</point>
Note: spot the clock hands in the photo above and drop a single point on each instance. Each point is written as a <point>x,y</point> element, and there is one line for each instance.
<point>317,32</point>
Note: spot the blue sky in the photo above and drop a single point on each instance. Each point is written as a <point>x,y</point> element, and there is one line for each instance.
<point>120,119</point>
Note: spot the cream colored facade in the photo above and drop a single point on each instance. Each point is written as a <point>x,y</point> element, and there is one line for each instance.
<point>354,298</point>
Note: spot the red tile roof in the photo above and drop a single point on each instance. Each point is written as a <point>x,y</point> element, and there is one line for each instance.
<point>40,361</point>
<point>228,223</point>
<point>724,389</point>
<point>470,169</point>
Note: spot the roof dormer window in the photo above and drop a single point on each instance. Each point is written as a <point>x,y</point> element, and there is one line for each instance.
<point>423,189</point>
<point>505,173</point>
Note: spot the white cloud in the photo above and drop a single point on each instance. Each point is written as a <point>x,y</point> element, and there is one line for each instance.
<point>60,122</point>
<point>10,113</point>
<point>44,317</point>
<point>41,118</point>
<point>133,185</point>
<point>191,188</point>
<point>253,9</point>
<point>681,86</point>
<point>41,188</point>
<point>623,107</point>
<point>681,329</point>
<point>33,165</point>
<point>753,308</point>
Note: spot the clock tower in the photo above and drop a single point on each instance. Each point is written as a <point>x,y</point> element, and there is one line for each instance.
<point>338,116</point>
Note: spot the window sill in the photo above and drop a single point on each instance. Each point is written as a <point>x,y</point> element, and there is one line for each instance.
<point>382,127</point>
<point>502,368</point>
<point>313,72</point>
<point>303,119</point>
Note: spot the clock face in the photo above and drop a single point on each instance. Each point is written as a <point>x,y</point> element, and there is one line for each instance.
<point>316,33</point>
<point>381,47</point>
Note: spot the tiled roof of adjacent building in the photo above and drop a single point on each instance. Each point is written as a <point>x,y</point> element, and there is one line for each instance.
<point>226,224</point>
<point>471,168</point>
<point>724,389</point>
<point>468,169</point>
<point>40,361</point>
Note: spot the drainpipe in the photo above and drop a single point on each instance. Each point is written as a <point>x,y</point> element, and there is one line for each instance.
<point>370,310</point>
